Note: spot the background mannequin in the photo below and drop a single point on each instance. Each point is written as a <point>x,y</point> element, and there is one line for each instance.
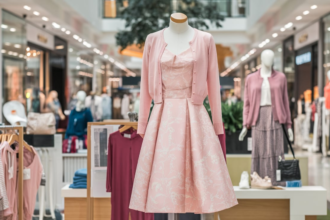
<point>178,34</point>
<point>81,96</point>
<point>267,60</point>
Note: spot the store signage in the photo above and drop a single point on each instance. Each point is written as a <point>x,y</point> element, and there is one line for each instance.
<point>307,36</point>
<point>304,58</point>
<point>42,39</point>
<point>39,37</point>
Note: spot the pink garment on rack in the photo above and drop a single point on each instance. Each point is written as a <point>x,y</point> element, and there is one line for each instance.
<point>123,155</point>
<point>30,186</point>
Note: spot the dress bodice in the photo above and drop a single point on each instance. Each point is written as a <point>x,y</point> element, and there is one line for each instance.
<point>177,75</point>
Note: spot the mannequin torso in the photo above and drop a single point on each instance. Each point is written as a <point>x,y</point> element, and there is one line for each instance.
<point>178,36</point>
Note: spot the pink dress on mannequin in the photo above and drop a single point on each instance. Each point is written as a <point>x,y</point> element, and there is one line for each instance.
<point>181,166</point>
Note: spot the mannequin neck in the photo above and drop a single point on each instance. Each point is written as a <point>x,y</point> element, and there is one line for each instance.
<point>80,106</point>
<point>179,28</point>
<point>265,71</point>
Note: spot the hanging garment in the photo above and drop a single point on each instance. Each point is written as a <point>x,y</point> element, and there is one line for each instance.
<point>106,107</point>
<point>125,106</point>
<point>222,139</point>
<point>123,154</point>
<point>32,178</point>
<point>94,103</point>
<point>327,96</point>
<point>181,167</point>
<point>77,125</point>
<point>3,191</point>
<point>267,145</point>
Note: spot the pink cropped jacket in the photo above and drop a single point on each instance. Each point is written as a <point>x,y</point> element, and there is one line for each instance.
<point>205,76</point>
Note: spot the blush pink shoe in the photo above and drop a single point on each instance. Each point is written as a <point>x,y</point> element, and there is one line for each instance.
<point>258,183</point>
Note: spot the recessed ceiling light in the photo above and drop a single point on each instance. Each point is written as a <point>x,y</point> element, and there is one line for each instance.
<point>80,40</point>
<point>12,29</point>
<point>55,25</point>
<point>267,41</point>
<point>45,18</point>
<point>306,12</point>
<point>328,28</point>
<point>17,46</point>
<point>106,56</point>
<point>76,37</point>
<point>288,25</point>
<point>275,35</point>
<point>27,7</point>
<point>36,13</point>
<point>63,29</point>
<point>67,32</point>
<point>3,51</point>
<point>313,6</point>
<point>28,49</point>
<point>282,29</point>
<point>28,54</point>
<point>4,26</point>
<point>298,18</point>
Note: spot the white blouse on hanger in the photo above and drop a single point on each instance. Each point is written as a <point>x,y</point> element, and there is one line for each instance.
<point>265,93</point>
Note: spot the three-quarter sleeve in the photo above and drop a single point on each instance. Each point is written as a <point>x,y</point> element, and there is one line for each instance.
<point>213,86</point>
<point>246,106</point>
<point>145,98</point>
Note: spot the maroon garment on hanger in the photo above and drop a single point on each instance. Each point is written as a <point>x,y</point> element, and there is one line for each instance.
<point>123,154</point>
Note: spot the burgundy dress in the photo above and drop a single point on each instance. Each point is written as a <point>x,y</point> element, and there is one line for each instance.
<point>123,154</point>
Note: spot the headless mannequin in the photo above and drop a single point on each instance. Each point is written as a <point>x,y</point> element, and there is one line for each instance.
<point>178,35</point>
<point>267,60</point>
<point>81,96</point>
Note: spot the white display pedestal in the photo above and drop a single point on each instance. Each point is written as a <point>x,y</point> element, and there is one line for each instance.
<point>293,203</point>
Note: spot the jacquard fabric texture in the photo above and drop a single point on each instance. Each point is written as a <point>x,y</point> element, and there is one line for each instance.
<point>181,167</point>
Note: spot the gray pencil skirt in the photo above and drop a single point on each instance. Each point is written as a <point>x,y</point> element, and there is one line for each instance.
<point>267,145</point>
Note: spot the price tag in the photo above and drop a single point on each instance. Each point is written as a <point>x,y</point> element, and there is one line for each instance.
<point>26,174</point>
<point>278,175</point>
<point>249,144</point>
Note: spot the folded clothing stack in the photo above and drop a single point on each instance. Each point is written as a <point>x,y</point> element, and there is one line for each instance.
<point>79,179</point>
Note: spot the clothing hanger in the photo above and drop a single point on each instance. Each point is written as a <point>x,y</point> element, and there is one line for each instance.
<point>14,138</point>
<point>126,127</point>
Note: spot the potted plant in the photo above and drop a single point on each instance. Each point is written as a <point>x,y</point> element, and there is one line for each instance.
<point>232,116</point>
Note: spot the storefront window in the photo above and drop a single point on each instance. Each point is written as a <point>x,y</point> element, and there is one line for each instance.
<point>278,59</point>
<point>80,75</point>
<point>326,52</point>
<point>15,80</point>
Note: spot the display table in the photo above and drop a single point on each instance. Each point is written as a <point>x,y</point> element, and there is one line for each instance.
<point>303,203</point>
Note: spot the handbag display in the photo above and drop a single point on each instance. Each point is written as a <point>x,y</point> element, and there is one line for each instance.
<point>41,123</point>
<point>288,170</point>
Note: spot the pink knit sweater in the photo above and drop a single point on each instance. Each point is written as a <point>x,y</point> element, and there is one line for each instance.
<point>205,76</point>
<point>279,96</point>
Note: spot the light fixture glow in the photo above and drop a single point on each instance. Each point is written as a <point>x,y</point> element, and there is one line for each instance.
<point>28,54</point>
<point>282,29</point>
<point>17,46</point>
<point>3,51</point>
<point>76,37</point>
<point>279,49</point>
<point>87,44</point>
<point>80,40</point>
<point>28,49</point>
<point>45,18</point>
<point>275,35</point>
<point>313,7</point>
<point>63,29</point>
<point>27,7</point>
<point>4,26</point>
<point>298,18</point>
<point>288,25</point>
<point>67,32</point>
<point>306,12</point>
<point>7,44</point>
<point>55,25</point>
<point>267,41</point>
<point>36,13</point>
<point>106,56</point>
<point>12,29</point>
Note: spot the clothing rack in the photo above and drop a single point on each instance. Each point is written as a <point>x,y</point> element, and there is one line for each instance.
<point>20,166</point>
<point>90,200</point>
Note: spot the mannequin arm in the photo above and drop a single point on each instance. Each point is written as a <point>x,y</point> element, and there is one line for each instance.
<point>290,133</point>
<point>242,134</point>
